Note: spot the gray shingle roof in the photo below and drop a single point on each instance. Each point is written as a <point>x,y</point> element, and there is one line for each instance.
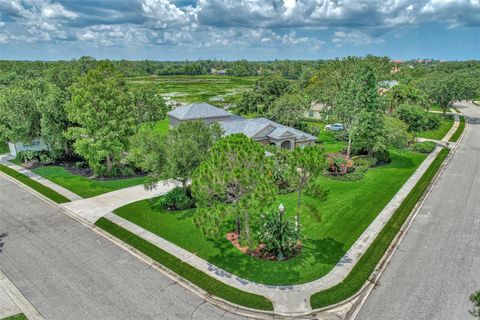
<point>269,129</point>
<point>200,110</point>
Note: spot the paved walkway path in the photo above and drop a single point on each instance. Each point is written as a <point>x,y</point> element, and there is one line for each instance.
<point>437,265</point>
<point>94,208</point>
<point>67,271</point>
<point>4,159</point>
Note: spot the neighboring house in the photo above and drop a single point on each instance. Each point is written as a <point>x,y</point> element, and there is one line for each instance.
<point>197,111</point>
<point>37,144</point>
<point>315,111</point>
<point>264,131</point>
<point>386,85</point>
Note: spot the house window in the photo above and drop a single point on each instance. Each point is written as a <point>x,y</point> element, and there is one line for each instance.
<point>311,114</point>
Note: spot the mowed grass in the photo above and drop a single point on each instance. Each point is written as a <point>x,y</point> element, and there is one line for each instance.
<point>461,126</point>
<point>183,269</point>
<point>83,186</point>
<point>437,134</point>
<point>367,263</point>
<point>330,228</point>
<point>47,192</point>
<point>20,316</point>
<point>188,89</point>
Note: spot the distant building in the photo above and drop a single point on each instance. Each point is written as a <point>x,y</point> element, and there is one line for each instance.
<point>314,112</point>
<point>384,86</point>
<point>37,144</point>
<point>262,130</point>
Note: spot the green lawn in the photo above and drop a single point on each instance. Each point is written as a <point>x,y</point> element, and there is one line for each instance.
<point>439,133</point>
<point>162,127</point>
<point>330,228</point>
<point>47,192</point>
<point>456,135</point>
<point>187,89</point>
<point>20,316</point>
<point>84,186</point>
<point>436,107</point>
<point>183,269</point>
<point>367,263</point>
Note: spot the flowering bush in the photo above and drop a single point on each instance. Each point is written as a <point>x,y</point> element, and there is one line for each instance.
<point>339,164</point>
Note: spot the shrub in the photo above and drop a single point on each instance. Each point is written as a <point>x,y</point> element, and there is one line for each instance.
<point>364,161</point>
<point>45,159</point>
<point>424,147</point>
<point>357,174</point>
<point>27,156</point>
<point>416,118</point>
<point>81,164</point>
<point>475,299</point>
<point>382,156</point>
<point>396,133</point>
<point>281,237</point>
<point>281,171</point>
<point>176,199</point>
<point>339,164</point>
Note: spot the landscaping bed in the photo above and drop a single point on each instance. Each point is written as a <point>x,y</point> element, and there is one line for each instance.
<point>47,192</point>
<point>81,185</point>
<point>330,227</point>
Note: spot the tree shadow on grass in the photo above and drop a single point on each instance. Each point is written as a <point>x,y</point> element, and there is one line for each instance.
<point>325,252</point>
<point>401,161</point>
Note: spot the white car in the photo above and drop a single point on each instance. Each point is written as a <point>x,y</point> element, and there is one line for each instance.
<point>335,127</point>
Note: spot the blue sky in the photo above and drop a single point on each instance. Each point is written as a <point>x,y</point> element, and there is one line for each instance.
<point>239,29</point>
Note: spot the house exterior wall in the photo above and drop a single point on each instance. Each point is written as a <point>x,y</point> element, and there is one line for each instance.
<point>312,114</point>
<point>36,145</point>
<point>304,143</point>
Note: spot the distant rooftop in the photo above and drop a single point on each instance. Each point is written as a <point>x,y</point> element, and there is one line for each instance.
<point>200,110</point>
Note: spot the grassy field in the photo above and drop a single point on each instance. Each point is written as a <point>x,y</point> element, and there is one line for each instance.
<point>218,90</point>
<point>183,269</point>
<point>439,133</point>
<point>367,263</point>
<point>47,192</point>
<point>330,227</point>
<point>456,135</point>
<point>84,186</point>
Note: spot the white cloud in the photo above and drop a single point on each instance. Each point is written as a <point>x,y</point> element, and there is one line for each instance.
<point>356,38</point>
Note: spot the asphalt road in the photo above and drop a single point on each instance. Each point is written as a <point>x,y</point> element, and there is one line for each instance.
<point>68,271</point>
<point>437,265</point>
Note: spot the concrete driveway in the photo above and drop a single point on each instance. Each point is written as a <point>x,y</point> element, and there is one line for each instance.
<point>437,265</point>
<point>68,271</point>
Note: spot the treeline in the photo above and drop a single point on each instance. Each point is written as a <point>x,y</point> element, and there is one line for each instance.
<point>11,70</point>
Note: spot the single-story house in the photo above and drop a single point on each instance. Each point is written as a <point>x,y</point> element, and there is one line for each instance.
<point>197,111</point>
<point>37,144</point>
<point>314,112</point>
<point>264,131</point>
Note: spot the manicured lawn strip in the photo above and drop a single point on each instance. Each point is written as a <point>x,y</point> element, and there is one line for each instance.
<point>458,132</point>
<point>84,186</point>
<point>439,133</point>
<point>183,269</point>
<point>47,192</point>
<point>367,263</point>
<point>19,316</point>
<point>330,227</point>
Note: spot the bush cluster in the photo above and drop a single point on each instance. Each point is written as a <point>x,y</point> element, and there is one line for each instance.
<point>176,199</point>
<point>33,157</point>
<point>424,147</point>
<point>417,118</point>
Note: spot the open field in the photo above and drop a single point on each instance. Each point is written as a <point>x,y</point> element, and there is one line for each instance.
<point>331,227</point>
<point>217,90</point>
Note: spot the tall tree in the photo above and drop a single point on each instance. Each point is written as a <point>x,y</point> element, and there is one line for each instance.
<point>103,114</point>
<point>305,165</point>
<point>446,89</point>
<point>289,109</point>
<point>175,156</point>
<point>236,180</point>
<point>149,105</point>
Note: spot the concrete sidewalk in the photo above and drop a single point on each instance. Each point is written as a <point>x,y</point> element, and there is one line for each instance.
<point>94,208</point>
<point>4,159</point>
